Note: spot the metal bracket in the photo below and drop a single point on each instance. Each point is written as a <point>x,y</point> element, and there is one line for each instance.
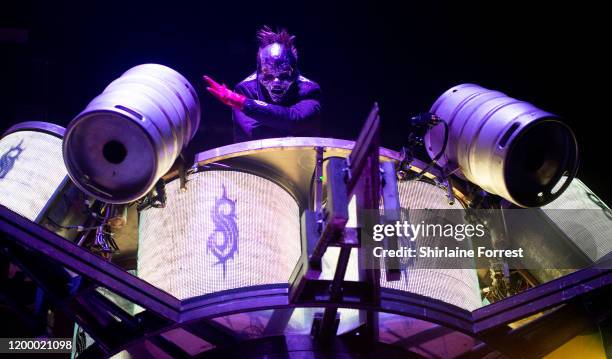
<point>336,209</point>
<point>156,198</point>
<point>392,214</point>
<point>324,329</point>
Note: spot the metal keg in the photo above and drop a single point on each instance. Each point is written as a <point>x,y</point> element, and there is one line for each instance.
<point>131,134</point>
<point>507,147</point>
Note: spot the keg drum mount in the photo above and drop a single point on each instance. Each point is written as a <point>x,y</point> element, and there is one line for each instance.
<point>474,198</point>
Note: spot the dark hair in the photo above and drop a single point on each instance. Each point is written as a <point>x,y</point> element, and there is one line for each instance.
<point>266,36</point>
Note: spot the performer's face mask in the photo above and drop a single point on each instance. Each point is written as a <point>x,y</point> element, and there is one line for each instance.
<point>276,70</point>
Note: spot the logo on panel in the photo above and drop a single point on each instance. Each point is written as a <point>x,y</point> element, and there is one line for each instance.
<point>7,160</point>
<point>223,242</point>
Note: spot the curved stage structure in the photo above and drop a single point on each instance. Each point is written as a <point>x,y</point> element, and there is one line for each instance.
<point>216,272</point>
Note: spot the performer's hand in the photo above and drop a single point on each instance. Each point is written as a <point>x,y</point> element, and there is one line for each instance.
<point>225,95</point>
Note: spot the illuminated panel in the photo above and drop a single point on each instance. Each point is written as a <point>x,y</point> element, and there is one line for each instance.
<point>584,218</point>
<point>31,170</point>
<point>454,286</point>
<point>228,230</point>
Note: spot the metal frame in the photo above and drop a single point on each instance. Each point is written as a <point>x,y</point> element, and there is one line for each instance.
<point>358,175</point>
<point>69,276</point>
<point>37,126</point>
<point>42,254</point>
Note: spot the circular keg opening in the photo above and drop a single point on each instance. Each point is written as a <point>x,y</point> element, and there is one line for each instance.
<point>110,157</point>
<point>114,152</point>
<point>537,158</point>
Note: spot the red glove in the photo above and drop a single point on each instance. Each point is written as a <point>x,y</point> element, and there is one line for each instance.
<point>225,95</point>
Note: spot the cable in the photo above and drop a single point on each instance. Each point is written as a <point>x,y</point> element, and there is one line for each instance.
<point>437,157</point>
<point>78,228</point>
<point>313,176</point>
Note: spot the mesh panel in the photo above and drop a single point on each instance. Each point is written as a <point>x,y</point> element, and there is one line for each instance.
<point>455,286</point>
<point>584,218</point>
<point>228,230</point>
<point>31,170</point>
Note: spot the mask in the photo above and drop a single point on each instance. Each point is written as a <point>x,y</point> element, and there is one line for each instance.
<point>276,70</point>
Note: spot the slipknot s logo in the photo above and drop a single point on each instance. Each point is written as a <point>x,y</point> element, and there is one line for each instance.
<point>223,242</point>
<point>7,160</point>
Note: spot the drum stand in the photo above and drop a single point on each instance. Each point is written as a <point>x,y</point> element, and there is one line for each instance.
<point>360,176</point>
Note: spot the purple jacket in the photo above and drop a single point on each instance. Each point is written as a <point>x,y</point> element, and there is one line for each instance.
<point>297,115</point>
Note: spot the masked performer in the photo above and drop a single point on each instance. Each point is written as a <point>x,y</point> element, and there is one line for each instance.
<point>275,101</point>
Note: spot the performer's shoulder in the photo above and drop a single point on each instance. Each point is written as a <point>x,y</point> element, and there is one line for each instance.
<point>304,80</point>
<point>248,85</point>
<point>307,86</point>
<point>251,79</point>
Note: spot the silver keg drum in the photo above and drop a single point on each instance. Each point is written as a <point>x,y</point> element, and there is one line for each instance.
<point>508,147</point>
<point>131,134</point>
<point>31,167</point>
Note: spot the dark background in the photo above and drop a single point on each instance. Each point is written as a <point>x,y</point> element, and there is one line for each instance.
<point>56,56</point>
